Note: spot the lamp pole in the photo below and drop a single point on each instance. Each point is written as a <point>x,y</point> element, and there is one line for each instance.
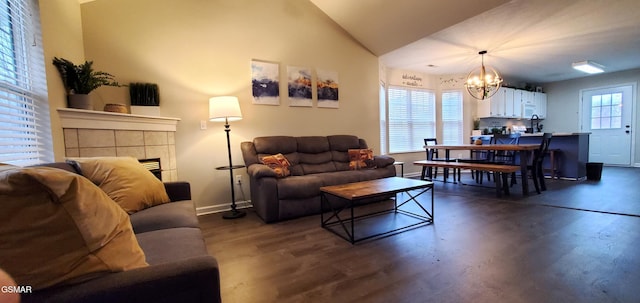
<point>233,213</point>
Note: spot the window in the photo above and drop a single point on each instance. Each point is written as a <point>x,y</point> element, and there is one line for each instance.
<point>606,111</point>
<point>411,118</point>
<point>383,118</point>
<point>24,112</point>
<point>452,126</point>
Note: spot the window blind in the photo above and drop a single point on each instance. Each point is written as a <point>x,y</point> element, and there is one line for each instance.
<point>383,118</point>
<point>25,137</point>
<point>411,118</point>
<point>452,123</point>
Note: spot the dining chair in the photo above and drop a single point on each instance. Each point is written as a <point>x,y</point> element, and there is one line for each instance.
<point>505,157</point>
<point>477,156</point>
<point>432,155</point>
<point>537,173</point>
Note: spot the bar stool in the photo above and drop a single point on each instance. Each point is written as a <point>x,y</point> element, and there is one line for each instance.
<point>554,159</point>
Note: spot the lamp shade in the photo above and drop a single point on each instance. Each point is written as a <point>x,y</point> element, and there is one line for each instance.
<point>225,108</point>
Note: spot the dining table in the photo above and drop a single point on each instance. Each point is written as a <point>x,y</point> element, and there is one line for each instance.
<point>525,151</point>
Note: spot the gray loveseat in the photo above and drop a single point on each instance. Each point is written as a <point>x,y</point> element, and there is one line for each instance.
<point>315,162</point>
<point>180,269</point>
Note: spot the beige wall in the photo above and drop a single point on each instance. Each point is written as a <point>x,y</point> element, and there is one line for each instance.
<point>563,102</point>
<point>61,37</point>
<point>196,49</point>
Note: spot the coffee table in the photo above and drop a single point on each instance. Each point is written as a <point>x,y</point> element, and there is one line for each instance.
<point>338,198</point>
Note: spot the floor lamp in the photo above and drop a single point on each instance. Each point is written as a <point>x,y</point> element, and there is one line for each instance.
<point>225,109</point>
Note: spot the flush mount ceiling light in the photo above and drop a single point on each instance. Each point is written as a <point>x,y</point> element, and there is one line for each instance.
<point>483,82</point>
<point>588,67</point>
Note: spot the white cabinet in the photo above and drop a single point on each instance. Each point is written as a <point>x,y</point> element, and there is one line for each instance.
<point>483,109</point>
<point>512,100</point>
<point>541,104</point>
<point>513,103</point>
<point>503,104</point>
<point>498,104</point>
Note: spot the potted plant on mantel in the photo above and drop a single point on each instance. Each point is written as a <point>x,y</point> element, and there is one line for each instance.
<point>145,99</point>
<point>80,80</point>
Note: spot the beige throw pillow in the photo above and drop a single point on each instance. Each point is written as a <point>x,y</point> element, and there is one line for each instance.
<point>59,228</point>
<point>125,180</point>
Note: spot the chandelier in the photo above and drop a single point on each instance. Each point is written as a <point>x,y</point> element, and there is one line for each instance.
<point>482,83</point>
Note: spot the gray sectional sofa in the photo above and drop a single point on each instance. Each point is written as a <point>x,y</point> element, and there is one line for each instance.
<point>180,269</point>
<point>316,161</point>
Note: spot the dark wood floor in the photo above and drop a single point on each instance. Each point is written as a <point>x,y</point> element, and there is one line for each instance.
<point>576,242</point>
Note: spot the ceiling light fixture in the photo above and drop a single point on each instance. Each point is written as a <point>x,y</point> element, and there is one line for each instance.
<point>480,84</point>
<point>588,67</point>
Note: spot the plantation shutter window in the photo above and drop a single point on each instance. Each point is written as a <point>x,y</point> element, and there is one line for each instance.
<point>452,123</point>
<point>411,118</point>
<point>25,137</point>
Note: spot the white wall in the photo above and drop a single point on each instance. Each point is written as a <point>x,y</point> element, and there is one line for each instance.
<point>196,49</point>
<point>563,103</point>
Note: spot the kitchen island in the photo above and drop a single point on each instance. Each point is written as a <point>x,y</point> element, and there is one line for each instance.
<point>573,155</point>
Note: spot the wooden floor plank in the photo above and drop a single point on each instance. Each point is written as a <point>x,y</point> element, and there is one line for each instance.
<point>481,249</point>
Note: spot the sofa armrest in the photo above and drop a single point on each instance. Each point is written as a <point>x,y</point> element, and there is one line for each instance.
<point>190,280</point>
<point>178,191</point>
<point>383,160</point>
<point>257,171</point>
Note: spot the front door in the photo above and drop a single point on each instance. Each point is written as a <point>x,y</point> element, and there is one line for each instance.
<point>606,113</point>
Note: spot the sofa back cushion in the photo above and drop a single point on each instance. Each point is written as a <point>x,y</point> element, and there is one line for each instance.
<point>269,146</point>
<point>340,146</point>
<point>315,155</point>
<point>59,228</point>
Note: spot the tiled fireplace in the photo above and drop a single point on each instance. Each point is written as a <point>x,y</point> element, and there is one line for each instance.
<point>95,134</point>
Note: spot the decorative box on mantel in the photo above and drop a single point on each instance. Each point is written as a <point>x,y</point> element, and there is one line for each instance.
<point>90,133</point>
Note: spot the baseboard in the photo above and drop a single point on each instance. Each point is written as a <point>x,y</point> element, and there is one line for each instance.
<point>221,208</point>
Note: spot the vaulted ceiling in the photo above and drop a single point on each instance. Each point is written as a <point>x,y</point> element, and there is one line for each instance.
<point>527,40</point>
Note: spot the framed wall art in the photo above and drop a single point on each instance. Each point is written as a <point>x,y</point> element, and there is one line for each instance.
<point>328,88</point>
<point>299,86</point>
<point>265,83</point>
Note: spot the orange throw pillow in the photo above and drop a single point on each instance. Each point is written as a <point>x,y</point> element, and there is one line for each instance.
<point>278,163</point>
<point>361,158</point>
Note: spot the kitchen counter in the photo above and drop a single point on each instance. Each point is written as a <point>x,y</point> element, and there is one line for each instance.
<point>555,134</point>
<point>572,152</point>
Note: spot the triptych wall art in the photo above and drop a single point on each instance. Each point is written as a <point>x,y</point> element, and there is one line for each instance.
<point>265,83</point>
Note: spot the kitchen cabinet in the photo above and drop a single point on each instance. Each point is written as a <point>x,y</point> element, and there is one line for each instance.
<point>497,103</point>
<point>541,104</point>
<point>505,103</point>
<point>513,104</point>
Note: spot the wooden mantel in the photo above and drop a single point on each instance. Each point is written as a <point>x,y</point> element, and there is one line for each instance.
<point>91,119</point>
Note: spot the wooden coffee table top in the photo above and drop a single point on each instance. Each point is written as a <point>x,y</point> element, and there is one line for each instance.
<point>372,188</point>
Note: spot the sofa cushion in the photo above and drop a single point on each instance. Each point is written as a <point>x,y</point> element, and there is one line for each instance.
<point>299,186</point>
<point>169,245</point>
<point>278,163</point>
<point>276,144</point>
<point>343,143</point>
<point>168,215</point>
<point>125,180</point>
<point>59,228</point>
<point>314,154</point>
